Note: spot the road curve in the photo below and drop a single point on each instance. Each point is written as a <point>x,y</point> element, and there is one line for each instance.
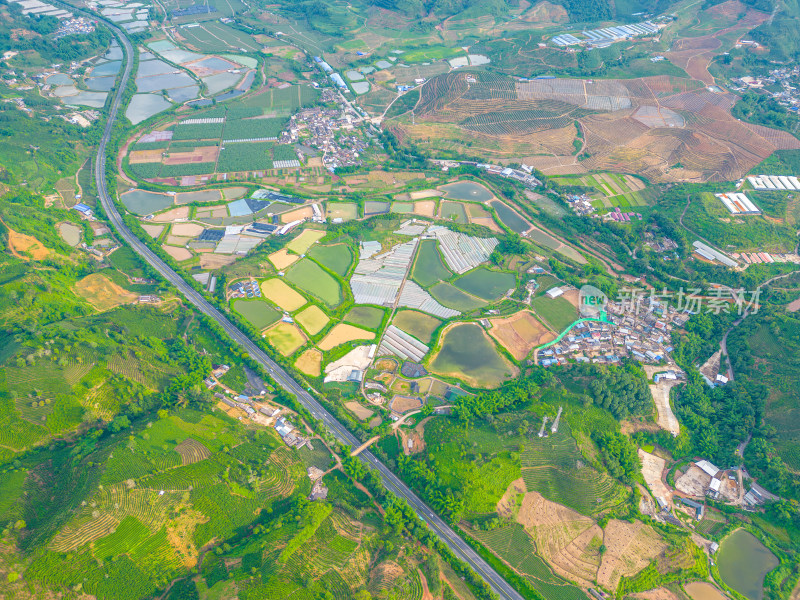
<point>390,480</point>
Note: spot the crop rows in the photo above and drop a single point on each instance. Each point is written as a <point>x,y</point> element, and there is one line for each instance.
<point>84,530</point>
<point>283,152</point>
<point>158,557</point>
<point>127,536</point>
<point>226,512</point>
<point>200,131</point>
<point>346,526</point>
<point>333,582</point>
<point>245,157</point>
<point>186,477</point>
<point>150,507</point>
<point>204,168</point>
<point>192,451</point>
<point>253,128</point>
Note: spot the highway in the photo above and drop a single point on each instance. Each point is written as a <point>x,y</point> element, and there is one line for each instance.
<point>390,481</point>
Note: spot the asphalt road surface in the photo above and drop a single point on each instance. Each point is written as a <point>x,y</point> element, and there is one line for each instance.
<point>390,481</point>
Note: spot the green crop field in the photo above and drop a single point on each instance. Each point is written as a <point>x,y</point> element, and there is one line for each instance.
<point>485,283</point>
<point>418,324</point>
<point>244,129</point>
<point>249,156</point>
<point>516,548</point>
<point>215,36</point>
<point>257,312</point>
<point>336,257</point>
<point>429,268</point>
<point>554,467</point>
<point>452,297</point>
<point>366,316</point>
<point>310,277</point>
<point>558,312</point>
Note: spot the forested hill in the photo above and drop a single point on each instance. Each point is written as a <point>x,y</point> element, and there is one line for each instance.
<point>580,11</point>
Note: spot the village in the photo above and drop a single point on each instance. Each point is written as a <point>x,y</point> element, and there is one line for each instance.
<point>782,84</point>
<point>333,131</point>
<point>639,330</point>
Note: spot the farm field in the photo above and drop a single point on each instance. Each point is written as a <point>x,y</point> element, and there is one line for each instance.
<point>418,324</point>
<point>311,278</point>
<point>485,283</point>
<point>520,333</point>
<point>282,259</point>
<point>614,190</point>
<point>336,257</point>
<point>310,362</point>
<point>643,125</point>
<point>257,312</point>
<point>342,210</point>
<point>452,297</point>
<point>557,312</point>
<point>275,290</point>
<point>467,353</point>
<point>366,316</point>
<point>453,211</point>
<point>553,467</point>
<point>312,319</point>
<point>429,268</point>
<point>343,333</point>
<point>305,240</point>
<point>285,337</point>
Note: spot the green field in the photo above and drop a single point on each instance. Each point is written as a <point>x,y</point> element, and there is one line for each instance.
<point>214,36</point>
<point>612,190</point>
<point>429,268</point>
<point>310,277</point>
<point>467,353</point>
<point>558,312</point>
<point>257,312</point>
<point>366,316</point>
<point>454,211</point>
<point>336,257</point>
<point>554,467</point>
<point>418,324</point>
<point>452,297</point>
<point>486,284</point>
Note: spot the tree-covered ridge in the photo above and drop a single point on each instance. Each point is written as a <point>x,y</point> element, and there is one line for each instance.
<point>21,33</point>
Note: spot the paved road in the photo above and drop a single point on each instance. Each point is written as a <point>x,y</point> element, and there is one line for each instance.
<point>390,481</point>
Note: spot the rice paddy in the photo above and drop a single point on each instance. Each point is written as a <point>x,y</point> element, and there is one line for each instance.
<point>257,312</point>
<point>366,316</point>
<point>336,257</point>
<point>418,324</point>
<point>276,291</point>
<point>343,333</point>
<point>311,278</point>
<point>312,319</point>
<point>285,337</point>
<point>305,240</point>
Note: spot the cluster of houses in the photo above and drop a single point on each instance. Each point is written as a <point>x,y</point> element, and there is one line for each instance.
<point>325,129</point>
<point>788,78</point>
<point>631,330</point>
<point>245,289</point>
<point>581,204</point>
<point>523,175</point>
<point>621,217</point>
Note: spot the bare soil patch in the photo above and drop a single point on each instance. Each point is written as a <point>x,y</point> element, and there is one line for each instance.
<point>402,404</point>
<point>693,482</point>
<point>102,293</point>
<point>652,469</point>
<point>153,230</point>
<point>202,154</point>
<point>187,229</point>
<point>215,261</point>
<point>26,246</point>
<point>343,333</point>
<point>629,548</point>
<point>173,214</point>
<point>177,253</point>
<point>310,362</point>
<point>362,412</point>
<point>301,213</point>
<point>425,208</point>
<point>138,157</point>
<point>520,333</point>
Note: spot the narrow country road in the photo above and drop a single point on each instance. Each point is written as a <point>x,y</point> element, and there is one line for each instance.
<point>390,481</point>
